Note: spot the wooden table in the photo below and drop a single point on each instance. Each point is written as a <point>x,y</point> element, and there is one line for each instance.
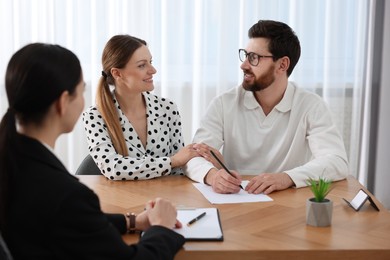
<point>265,230</point>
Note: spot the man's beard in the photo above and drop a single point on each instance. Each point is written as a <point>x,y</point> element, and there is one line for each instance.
<point>261,83</point>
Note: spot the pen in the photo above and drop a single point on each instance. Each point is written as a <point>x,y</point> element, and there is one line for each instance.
<point>192,221</point>
<point>219,161</point>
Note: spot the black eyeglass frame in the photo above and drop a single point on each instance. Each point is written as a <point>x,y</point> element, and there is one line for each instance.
<point>252,54</point>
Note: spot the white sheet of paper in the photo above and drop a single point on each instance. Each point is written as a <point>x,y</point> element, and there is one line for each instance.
<point>241,197</point>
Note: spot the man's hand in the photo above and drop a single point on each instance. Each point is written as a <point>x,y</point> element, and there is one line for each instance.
<point>269,182</point>
<point>223,182</point>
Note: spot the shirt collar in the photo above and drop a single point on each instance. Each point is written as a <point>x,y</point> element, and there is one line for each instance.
<point>149,99</point>
<point>284,105</point>
<point>250,101</point>
<point>48,147</point>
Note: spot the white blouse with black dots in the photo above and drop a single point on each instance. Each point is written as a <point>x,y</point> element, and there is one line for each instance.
<point>164,139</point>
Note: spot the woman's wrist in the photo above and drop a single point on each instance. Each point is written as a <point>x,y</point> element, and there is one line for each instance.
<point>173,162</point>
<point>131,222</point>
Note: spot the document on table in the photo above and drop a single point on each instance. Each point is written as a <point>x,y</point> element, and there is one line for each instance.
<point>208,227</point>
<point>241,197</point>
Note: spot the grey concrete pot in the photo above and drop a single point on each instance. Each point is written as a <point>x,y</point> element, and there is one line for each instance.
<point>319,214</point>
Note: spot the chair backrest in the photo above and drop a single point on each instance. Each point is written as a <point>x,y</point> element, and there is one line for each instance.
<point>4,252</point>
<point>88,167</point>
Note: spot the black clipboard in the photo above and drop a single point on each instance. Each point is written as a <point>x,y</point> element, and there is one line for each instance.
<point>208,228</point>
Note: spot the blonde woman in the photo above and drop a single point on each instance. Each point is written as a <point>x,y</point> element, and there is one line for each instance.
<point>133,134</point>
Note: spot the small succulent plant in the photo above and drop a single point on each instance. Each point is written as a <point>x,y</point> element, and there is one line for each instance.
<point>320,188</point>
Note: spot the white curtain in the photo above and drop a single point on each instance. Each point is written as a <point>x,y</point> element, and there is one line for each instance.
<point>195,45</point>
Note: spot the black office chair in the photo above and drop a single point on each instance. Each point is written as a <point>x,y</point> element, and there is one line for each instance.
<point>88,167</point>
<point>4,252</point>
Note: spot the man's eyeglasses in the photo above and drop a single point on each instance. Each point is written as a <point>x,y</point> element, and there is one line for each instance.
<point>252,57</point>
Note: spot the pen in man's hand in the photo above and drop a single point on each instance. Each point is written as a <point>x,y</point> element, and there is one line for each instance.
<point>226,169</point>
<point>192,221</point>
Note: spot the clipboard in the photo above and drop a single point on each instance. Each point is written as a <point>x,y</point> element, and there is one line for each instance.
<point>207,228</point>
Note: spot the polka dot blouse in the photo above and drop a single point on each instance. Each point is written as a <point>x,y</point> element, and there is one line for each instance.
<point>164,139</point>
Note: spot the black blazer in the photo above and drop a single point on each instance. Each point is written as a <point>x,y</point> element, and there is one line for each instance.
<point>54,216</point>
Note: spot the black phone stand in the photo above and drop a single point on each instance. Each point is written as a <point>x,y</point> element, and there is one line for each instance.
<point>361,197</point>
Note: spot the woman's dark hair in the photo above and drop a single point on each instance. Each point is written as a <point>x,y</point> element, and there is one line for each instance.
<point>117,52</point>
<point>282,40</point>
<point>36,76</point>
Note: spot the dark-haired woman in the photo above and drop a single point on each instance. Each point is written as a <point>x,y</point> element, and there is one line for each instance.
<point>45,212</point>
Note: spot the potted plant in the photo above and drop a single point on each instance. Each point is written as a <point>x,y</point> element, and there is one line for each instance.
<point>319,209</point>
